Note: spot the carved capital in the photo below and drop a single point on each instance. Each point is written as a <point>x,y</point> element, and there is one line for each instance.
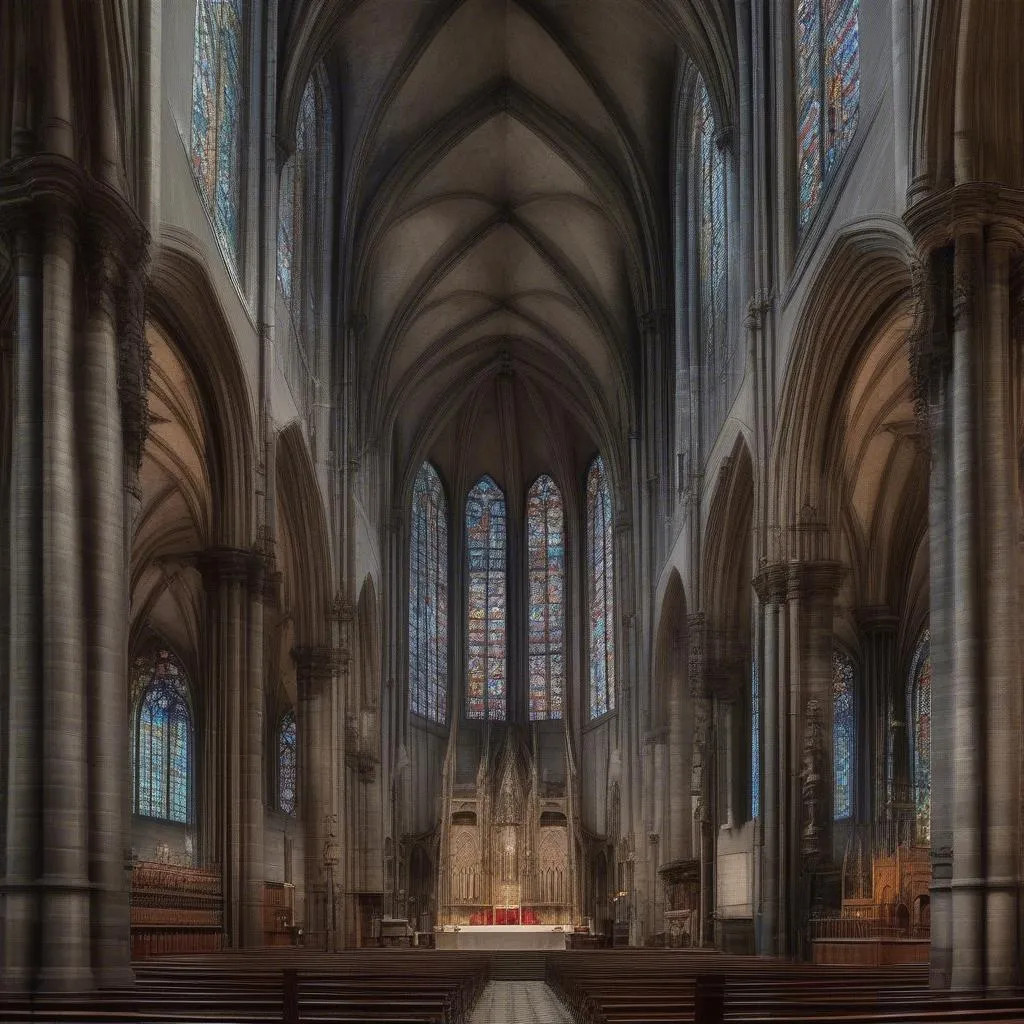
<point>314,665</point>
<point>814,579</point>
<point>233,566</point>
<point>771,582</point>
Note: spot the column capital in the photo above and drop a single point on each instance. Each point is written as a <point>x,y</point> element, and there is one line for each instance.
<point>876,618</point>
<point>930,341</point>
<point>716,659</point>
<point>227,565</point>
<point>770,583</point>
<point>316,663</point>
<point>820,578</point>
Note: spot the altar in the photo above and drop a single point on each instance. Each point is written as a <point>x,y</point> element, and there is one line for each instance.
<point>476,937</point>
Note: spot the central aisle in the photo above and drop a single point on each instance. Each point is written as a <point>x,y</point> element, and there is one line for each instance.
<point>519,1002</point>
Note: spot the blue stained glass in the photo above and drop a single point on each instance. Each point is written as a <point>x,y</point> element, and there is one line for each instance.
<point>843,733</point>
<point>712,235</point>
<point>216,113</point>
<point>545,542</point>
<point>485,605</point>
<point>921,735</point>
<point>755,741</point>
<point>428,597</point>
<point>600,590</point>
<point>162,747</point>
<point>287,763</point>
<point>827,53</point>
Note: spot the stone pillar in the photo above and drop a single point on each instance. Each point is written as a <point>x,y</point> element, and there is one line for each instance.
<point>702,772</point>
<point>234,579</point>
<point>879,699</point>
<point>998,499</point>
<point>968,719</point>
<point>930,357</point>
<point>315,669</point>
<point>770,586</point>
<point>678,805</point>
<point>811,589</point>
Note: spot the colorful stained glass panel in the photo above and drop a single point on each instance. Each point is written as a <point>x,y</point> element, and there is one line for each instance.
<point>287,763</point>
<point>162,747</point>
<point>217,113</point>
<point>428,597</point>
<point>712,235</point>
<point>600,590</point>
<point>843,733</point>
<point>486,536</point>
<point>545,543</point>
<point>921,674</point>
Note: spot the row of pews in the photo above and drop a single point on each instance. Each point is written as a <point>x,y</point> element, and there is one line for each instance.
<point>280,985</point>
<point>644,985</point>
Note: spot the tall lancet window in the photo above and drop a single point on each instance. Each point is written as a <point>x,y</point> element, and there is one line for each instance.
<point>712,234</point>
<point>287,763</point>
<point>485,606</point>
<point>921,735</point>
<point>161,738</point>
<point>294,195</point>
<point>428,597</point>
<point>217,113</point>
<point>545,541</point>
<point>600,590</point>
<point>843,733</point>
<point>827,51</point>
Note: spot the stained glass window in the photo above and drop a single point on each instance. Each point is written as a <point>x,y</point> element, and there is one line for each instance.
<point>287,763</point>
<point>711,240</point>
<point>843,733</point>
<point>921,735</point>
<point>299,189</point>
<point>827,43</point>
<point>162,748</point>
<point>755,741</point>
<point>216,113</point>
<point>485,605</point>
<point>600,590</point>
<point>545,542</point>
<point>428,597</point>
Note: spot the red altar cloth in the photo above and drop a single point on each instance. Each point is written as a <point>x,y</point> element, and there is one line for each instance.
<point>506,916</point>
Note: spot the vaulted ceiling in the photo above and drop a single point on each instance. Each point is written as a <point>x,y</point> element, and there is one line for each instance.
<point>506,177</point>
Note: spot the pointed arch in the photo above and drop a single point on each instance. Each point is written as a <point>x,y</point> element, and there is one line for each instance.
<point>428,597</point>
<point>287,764</point>
<point>600,590</point>
<point>162,737</point>
<point>545,544</point>
<point>486,642</point>
<point>919,700</point>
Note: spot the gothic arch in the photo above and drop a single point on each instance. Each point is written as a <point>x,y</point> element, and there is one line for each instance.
<point>861,286</point>
<point>308,554</point>
<point>184,301</point>
<point>368,639</point>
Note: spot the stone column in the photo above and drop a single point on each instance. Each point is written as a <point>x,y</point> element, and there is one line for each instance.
<point>811,589</point>
<point>702,771</point>
<point>1001,710</point>
<point>930,357</point>
<point>968,717</point>
<point>315,669</point>
<point>770,586</point>
<point>25,701</point>
<point>879,697</point>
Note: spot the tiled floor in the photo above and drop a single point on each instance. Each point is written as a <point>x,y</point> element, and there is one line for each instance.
<point>519,1002</point>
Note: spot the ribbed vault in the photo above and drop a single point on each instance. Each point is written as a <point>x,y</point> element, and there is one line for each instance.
<point>506,182</point>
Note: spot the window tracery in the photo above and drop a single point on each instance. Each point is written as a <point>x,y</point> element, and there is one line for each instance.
<point>486,533</point>
<point>546,559</point>
<point>712,231</point>
<point>921,735</point>
<point>287,763</point>
<point>162,738</point>
<point>217,112</point>
<point>600,590</point>
<point>428,597</point>
<point>843,733</point>
<point>827,44</point>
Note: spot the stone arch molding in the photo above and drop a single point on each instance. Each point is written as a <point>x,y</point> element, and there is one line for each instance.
<point>862,279</point>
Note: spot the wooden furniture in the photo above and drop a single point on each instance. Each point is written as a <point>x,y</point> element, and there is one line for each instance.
<point>278,914</point>
<point>175,910</point>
